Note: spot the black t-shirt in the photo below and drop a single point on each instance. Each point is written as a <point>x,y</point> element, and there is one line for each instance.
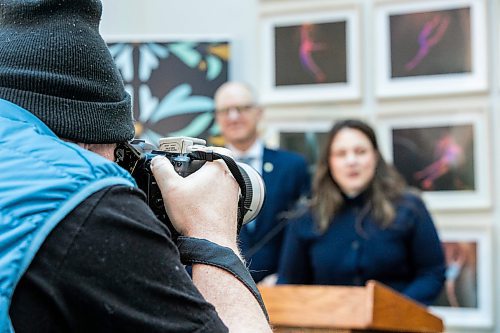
<point>110,266</point>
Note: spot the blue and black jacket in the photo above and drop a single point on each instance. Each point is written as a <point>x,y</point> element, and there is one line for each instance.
<point>42,179</point>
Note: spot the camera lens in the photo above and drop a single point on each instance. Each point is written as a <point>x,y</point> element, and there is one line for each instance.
<point>255,191</point>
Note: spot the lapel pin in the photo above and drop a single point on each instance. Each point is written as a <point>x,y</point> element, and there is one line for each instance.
<point>268,167</point>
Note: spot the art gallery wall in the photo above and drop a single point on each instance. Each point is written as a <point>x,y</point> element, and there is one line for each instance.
<point>190,19</point>
<point>244,24</point>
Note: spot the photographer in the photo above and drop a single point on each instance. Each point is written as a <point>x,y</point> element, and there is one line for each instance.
<point>80,249</point>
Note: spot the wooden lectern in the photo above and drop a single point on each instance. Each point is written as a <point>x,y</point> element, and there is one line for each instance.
<point>373,308</point>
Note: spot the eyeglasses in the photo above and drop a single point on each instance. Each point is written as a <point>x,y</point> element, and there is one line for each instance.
<point>240,109</point>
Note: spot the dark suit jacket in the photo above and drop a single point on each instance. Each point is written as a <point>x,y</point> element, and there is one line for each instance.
<point>285,183</point>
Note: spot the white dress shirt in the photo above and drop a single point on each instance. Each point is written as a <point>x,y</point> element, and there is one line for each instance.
<point>254,154</point>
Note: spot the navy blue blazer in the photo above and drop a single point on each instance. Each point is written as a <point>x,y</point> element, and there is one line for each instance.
<point>286,178</point>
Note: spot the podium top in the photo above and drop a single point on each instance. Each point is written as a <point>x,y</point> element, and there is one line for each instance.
<point>374,306</point>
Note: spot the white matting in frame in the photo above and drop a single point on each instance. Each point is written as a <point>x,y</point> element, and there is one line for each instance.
<point>446,156</point>
<point>311,55</point>
<point>466,299</point>
<point>430,48</point>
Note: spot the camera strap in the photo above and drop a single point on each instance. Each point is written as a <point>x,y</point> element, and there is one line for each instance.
<point>210,156</point>
<point>202,251</point>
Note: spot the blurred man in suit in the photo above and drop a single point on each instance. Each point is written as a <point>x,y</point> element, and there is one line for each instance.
<point>285,175</point>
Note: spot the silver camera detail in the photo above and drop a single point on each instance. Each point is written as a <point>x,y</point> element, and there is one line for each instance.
<point>187,155</point>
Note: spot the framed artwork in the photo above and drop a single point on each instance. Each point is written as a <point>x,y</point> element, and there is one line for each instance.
<point>172,83</point>
<point>311,55</point>
<point>446,157</point>
<point>307,140</point>
<point>466,298</point>
<point>431,47</point>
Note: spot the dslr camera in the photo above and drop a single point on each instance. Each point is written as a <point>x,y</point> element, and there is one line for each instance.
<point>187,155</point>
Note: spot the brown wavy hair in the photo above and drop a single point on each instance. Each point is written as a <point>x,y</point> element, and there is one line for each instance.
<point>386,187</point>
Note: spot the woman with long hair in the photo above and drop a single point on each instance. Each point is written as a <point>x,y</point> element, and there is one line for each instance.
<point>363,223</point>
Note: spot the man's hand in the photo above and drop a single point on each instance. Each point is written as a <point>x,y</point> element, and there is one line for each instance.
<point>202,205</point>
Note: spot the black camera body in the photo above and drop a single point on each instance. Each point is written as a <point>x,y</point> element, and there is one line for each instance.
<point>187,155</point>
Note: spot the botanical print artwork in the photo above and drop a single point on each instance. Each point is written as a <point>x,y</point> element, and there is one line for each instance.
<point>172,85</point>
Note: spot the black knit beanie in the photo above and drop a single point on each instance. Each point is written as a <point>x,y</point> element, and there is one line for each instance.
<point>55,64</point>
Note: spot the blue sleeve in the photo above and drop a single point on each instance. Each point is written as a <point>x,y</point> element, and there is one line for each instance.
<point>295,267</point>
<point>427,256</point>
